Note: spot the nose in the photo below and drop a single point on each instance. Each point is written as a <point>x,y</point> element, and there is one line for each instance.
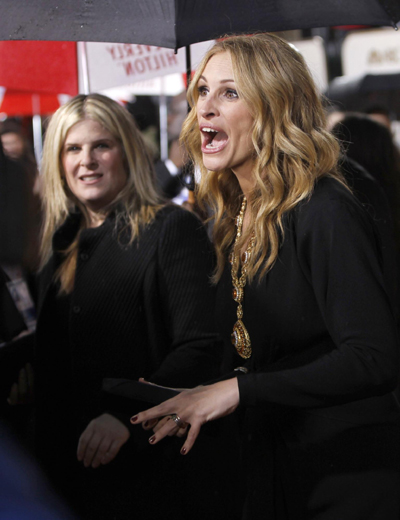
<point>208,106</point>
<point>87,158</point>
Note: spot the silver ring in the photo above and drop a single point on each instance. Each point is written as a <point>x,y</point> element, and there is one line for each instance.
<point>178,421</point>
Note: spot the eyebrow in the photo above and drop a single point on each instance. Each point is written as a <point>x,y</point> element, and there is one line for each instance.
<point>69,143</point>
<point>222,81</point>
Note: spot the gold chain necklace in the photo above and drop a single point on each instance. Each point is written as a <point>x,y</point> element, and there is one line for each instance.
<point>240,337</point>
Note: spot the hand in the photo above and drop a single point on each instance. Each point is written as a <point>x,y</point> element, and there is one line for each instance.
<point>156,424</point>
<point>21,391</point>
<point>159,423</point>
<point>195,407</point>
<point>102,440</point>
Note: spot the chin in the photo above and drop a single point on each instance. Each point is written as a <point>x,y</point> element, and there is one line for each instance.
<point>213,165</point>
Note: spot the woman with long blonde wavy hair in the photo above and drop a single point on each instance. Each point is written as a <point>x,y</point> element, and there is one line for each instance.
<point>124,293</point>
<point>301,301</point>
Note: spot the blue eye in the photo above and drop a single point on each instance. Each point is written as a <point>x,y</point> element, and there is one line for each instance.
<point>72,148</point>
<point>102,145</point>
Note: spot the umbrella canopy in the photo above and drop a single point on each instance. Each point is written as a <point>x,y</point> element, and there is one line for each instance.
<point>177,23</point>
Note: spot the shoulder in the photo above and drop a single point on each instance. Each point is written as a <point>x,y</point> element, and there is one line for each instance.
<point>333,218</point>
<point>328,193</point>
<point>332,204</point>
<point>181,232</point>
<point>173,217</point>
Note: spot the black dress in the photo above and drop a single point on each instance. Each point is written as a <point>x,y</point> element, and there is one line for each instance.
<point>321,427</point>
<point>144,310</point>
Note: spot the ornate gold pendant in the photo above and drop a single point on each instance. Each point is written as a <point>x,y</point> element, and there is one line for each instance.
<point>237,294</point>
<point>241,340</point>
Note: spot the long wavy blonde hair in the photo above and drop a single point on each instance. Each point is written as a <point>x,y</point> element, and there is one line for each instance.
<point>135,206</point>
<point>292,149</point>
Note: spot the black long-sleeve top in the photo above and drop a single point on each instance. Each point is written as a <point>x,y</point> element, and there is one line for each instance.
<point>321,323</point>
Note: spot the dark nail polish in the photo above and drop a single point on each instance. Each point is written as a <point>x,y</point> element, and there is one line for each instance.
<point>134,418</point>
<point>152,439</point>
<point>183,451</point>
<point>145,424</point>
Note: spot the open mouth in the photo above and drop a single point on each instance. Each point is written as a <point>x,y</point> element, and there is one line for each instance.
<point>91,178</point>
<point>213,139</point>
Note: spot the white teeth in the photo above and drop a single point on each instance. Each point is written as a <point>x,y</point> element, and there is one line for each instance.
<point>210,145</point>
<point>209,130</point>
<point>90,177</point>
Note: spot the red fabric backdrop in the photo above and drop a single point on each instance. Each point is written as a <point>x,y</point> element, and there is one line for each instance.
<point>39,66</point>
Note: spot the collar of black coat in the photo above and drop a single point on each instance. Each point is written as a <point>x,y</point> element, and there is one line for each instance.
<point>67,232</point>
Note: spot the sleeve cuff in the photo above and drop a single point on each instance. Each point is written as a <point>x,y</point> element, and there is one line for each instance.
<point>248,390</point>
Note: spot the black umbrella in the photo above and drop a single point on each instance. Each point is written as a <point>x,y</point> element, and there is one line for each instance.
<point>178,23</point>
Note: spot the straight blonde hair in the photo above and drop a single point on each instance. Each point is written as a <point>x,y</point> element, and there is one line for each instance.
<point>292,148</point>
<point>135,206</point>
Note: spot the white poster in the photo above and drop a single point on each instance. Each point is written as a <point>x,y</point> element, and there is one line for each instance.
<point>313,51</point>
<point>371,52</point>
<point>115,64</point>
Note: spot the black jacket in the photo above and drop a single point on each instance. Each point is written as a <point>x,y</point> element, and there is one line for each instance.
<point>144,310</point>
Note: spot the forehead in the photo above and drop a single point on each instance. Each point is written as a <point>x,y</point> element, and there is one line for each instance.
<point>11,136</point>
<point>219,67</point>
<point>88,129</point>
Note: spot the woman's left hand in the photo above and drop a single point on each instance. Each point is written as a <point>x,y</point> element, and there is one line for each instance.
<point>194,407</point>
<point>102,440</point>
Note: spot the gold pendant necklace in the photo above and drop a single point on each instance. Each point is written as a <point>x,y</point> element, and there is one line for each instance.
<point>240,337</point>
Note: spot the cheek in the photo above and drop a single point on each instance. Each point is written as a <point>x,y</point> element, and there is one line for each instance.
<point>244,135</point>
<point>121,169</point>
<point>247,131</point>
<point>67,171</point>
<point>66,168</point>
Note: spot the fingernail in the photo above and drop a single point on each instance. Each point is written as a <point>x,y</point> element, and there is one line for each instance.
<point>183,451</point>
<point>134,418</point>
<point>152,439</point>
<point>145,424</point>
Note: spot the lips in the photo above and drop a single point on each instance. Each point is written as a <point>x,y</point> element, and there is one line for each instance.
<point>91,178</point>
<point>213,139</point>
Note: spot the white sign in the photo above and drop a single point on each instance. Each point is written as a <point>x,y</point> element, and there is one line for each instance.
<point>115,64</point>
<point>313,52</point>
<point>374,51</point>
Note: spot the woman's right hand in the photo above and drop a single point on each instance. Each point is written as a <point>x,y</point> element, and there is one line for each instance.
<point>21,391</point>
<point>193,407</point>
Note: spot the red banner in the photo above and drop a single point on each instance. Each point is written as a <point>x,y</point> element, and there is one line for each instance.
<point>39,66</point>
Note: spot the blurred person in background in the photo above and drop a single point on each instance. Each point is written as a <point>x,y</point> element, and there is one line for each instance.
<point>380,114</point>
<point>17,309</point>
<point>17,148</point>
<point>371,145</point>
<point>369,160</point>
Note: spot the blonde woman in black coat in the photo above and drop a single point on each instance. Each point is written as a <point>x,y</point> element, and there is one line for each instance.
<point>301,301</point>
<point>124,293</point>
